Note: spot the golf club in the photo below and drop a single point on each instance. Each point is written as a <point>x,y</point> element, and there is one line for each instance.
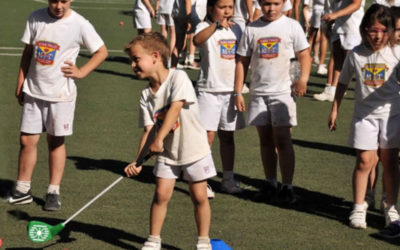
<point>41,232</point>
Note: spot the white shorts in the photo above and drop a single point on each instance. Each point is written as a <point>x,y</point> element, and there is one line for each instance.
<point>141,19</point>
<point>277,111</point>
<point>55,118</point>
<point>374,133</point>
<point>315,20</point>
<point>348,40</point>
<point>217,111</point>
<point>197,171</point>
<point>165,19</point>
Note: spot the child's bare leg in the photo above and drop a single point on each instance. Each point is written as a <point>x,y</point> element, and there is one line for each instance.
<point>268,153</point>
<point>57,157</point>
<point>163,31</point>
<point>172,40</point>
<point>179,45</point>
<point>27,156</point>
<point>162,195</point>
<point>339,54</point>
<point>389,159</point>
<point>202,211</point>
<point>366,160</point>
<point>226,149</point>
<point>283,142</point>
<point>323,47</point>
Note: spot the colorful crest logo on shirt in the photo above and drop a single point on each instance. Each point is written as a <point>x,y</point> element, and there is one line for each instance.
<point>159,116</point>
<point>46,52</point>
<point>374,74</point>
<point>228,49</point>
<point>269,47</point>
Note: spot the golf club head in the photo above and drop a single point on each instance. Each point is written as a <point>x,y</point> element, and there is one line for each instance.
<point>41,232</point>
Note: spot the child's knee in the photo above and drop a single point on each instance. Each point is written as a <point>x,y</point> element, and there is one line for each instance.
<point>162,196</point>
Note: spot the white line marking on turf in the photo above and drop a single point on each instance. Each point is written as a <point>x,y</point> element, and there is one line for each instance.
<point>10,54</point>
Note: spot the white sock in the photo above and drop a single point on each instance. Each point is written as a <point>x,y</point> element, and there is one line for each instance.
<point>191,59</point>
<point>203,240</point>
<point>273,182</point>
<point>154,238</point>
<point>289,186</point>
<point>227,175</point>
<point>23,186</point>
<point>53,189</point>
<point>359,206</point>
<point>332,90</point>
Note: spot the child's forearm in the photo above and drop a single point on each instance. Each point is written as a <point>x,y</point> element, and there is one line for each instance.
<point>98,57</point>
<point>148,6</point>
<point>305,64</point>
<point>348,10</point>
<point>339,94</point>
<point>240,73</point>
<point>145,140</point>
<point>188,8</point>
<point>249,5</point>
<point>205,34</point>
<point>24,67</point>
<point>169,121</point>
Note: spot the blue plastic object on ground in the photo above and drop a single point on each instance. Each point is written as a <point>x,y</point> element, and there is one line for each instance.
<point>218,244</point>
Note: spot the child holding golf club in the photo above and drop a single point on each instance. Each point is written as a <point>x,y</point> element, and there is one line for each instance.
<point>217,39</point>
<point>46,89</point>
<point>169,104</point>
<point>375,126</point>
<point>268,44</point>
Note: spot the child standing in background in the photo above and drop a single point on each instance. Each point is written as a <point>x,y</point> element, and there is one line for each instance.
<point>217,39</point>
<point>268,48</point>
<point>142,14</point>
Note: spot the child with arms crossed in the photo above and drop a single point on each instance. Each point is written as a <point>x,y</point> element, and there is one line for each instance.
<point>375,127</point>
<point>170,103</point>
<point>217,39</point>
<point>46,89</point>
<point>272,109</point>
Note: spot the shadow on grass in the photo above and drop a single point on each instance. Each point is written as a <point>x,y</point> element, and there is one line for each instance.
<point>109,235</point>
<point>325,146</point>
<point>117,167</point>
<point>395,241</point>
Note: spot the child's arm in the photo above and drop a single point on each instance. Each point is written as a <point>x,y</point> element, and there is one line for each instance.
<point>249,5</point>
<point>300,86</point>
<point>78,73</point>
<point>306,20</point>
<point>132,169</point>
<point>203,35</point>
<point>23,71</point>
<point>168,123</point>
<point>348,10</point>
<point>340,90</point>
<point>242,65</point>
<point>188,9</point>
<point>149,7</point>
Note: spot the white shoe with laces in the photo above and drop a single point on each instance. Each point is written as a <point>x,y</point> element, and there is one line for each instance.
<point>322,70</point>
<point>391,214</point>
<point>358,217</point>
<point>210,192</point>
<point>152,243</point>
<point>203,246</point>
<point>327,95</point>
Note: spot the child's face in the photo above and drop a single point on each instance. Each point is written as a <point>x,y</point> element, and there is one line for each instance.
<point>397,31</point>
<point>142,61</point>
<point>272,9</point>
<point>377,35</point>
<point>223,9</point>
<point>59,8</point>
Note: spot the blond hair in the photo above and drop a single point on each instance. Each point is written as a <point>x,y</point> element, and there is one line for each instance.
<point>152,41</point>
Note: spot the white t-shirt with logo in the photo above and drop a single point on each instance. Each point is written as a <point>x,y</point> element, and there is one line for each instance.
<point>377,88</point>
<point>218,56</point>
<point>55,41</point>
<point>270,46</point>
<point>187,142</point>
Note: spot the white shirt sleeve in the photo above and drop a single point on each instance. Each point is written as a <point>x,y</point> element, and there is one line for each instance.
<point>245,44</point>
<point>145,115</point>
<point>182,88</point>
<point>90,38</point>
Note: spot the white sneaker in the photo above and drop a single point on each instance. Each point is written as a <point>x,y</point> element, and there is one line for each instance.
<point>230,186</point>
<point>322,70</point>
<point>391,214</point>
<point>358,217</point>
<point>327,95</point>
<point>203,246</point>
<point>210,192</point>
<point>151,245</point>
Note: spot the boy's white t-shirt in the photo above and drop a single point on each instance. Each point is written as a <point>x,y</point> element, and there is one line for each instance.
<point>270,46</point>
<point>165,6</point>
<point>387,3</point>
<point>140,6</point>
<point>218,56</point>
<point>187,142</point>
<point>55,41</point>
<point>350,23</point>
<point>377,88</point>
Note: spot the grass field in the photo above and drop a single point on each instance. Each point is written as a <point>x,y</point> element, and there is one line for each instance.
<point>105,139</point>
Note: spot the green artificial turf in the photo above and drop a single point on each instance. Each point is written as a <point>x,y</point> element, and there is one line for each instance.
<point>105,140</point>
